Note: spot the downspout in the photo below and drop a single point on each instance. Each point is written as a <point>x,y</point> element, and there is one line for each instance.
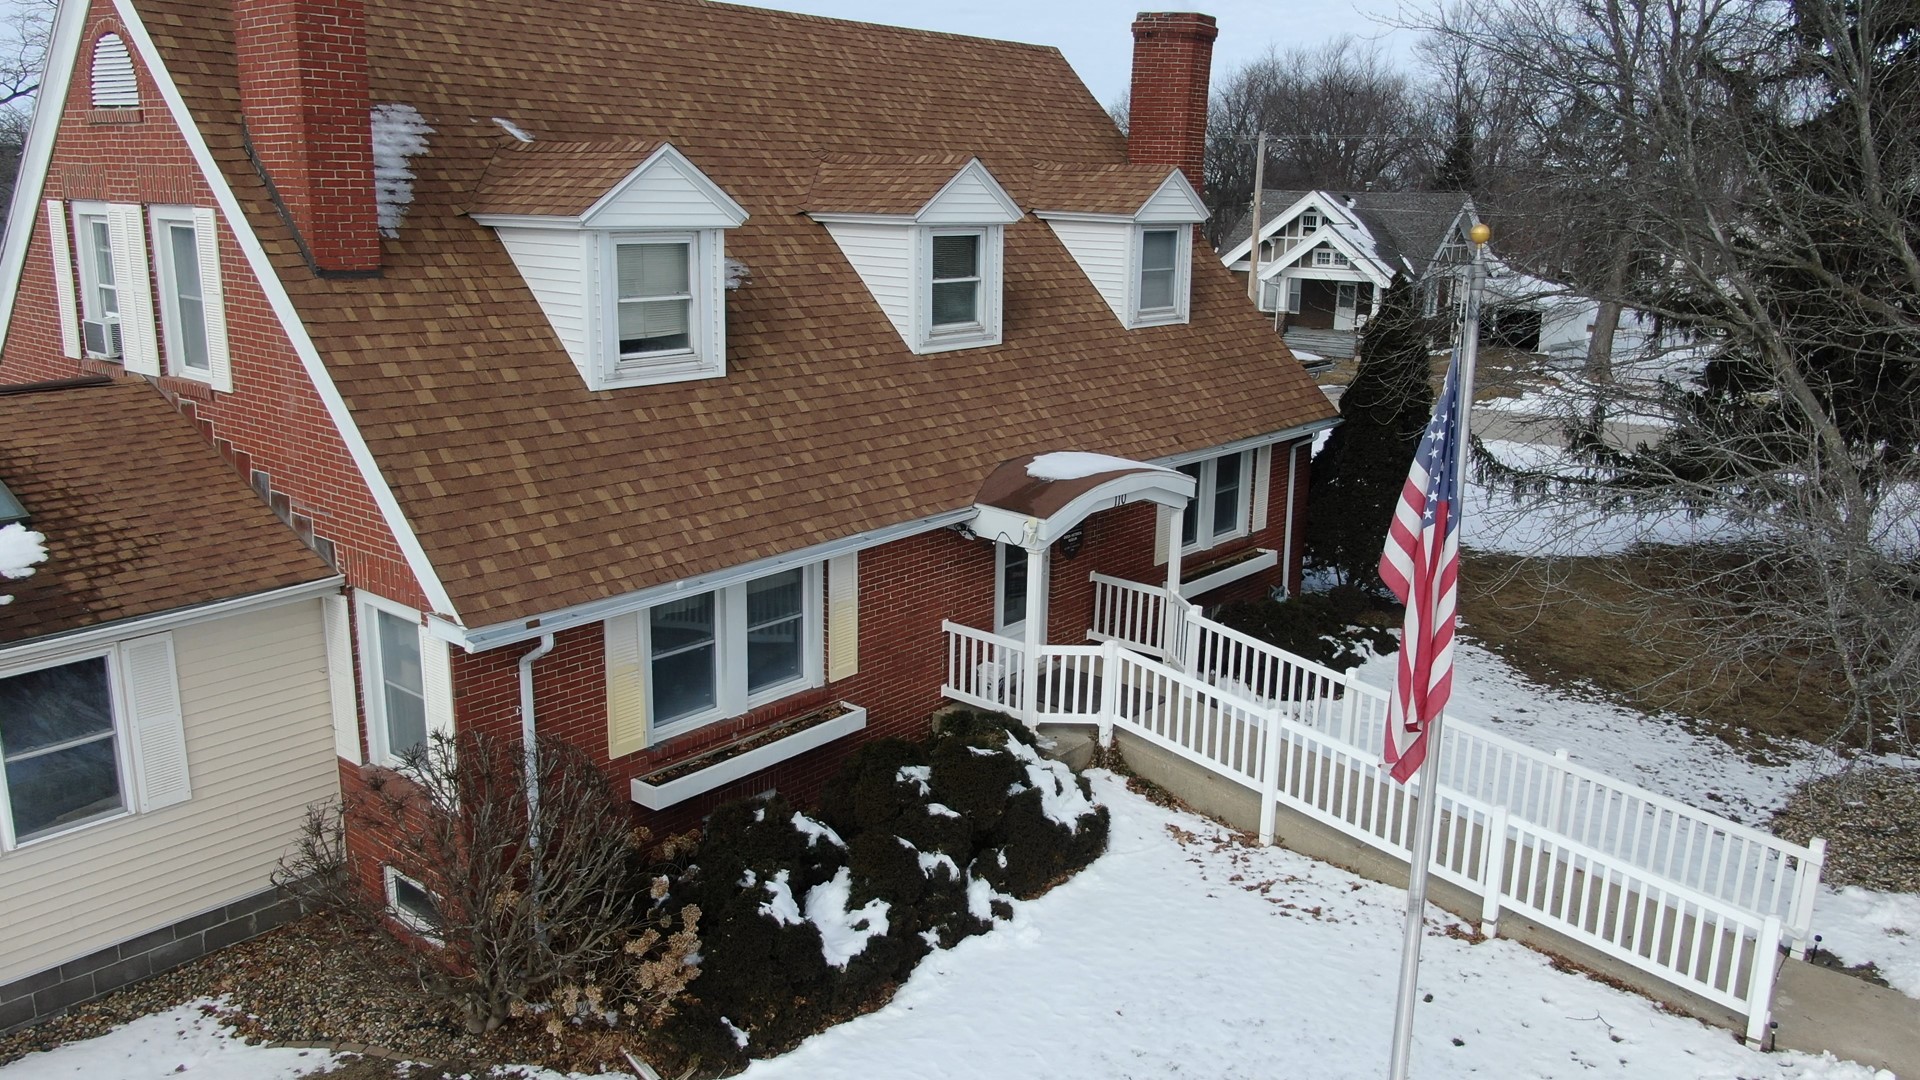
<point>528,747</point>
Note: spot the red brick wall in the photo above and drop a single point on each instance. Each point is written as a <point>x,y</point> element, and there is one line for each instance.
<point>1167,108</point>
<point>303,88</point>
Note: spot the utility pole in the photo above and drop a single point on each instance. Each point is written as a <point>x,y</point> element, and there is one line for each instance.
<point>1253,252</point>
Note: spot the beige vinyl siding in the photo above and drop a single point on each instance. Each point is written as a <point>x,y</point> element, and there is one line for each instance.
<point>253,688</point>
<point>1102,250</point>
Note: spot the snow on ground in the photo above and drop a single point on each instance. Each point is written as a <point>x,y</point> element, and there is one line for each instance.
<point>1181,953</point>
<point>182,1041</point>
<point>1860,925</point>
<point>1498,519</point>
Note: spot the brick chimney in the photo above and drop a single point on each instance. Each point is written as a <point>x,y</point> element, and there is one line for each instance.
<point>304,95</point>
<point>1167,112</point>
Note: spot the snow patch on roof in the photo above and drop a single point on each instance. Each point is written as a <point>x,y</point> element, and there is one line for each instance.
<point>1075,465</point>
<point>399,135</point>
<point>20,548</point>
<point>517,132</point>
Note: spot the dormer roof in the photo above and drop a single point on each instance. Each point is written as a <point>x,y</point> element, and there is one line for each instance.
<point>935,189</point>
<point>612,183</point>
<point>1149,194</point>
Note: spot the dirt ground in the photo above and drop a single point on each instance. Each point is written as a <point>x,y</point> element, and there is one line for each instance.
<point>1497,373</point>
<point>1581,620</point>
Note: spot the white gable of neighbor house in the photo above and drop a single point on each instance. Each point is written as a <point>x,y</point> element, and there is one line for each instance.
<point>665,192</point>
<point>972,197</point>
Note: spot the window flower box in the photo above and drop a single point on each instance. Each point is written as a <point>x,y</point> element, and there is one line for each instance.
<point>1228,571</point>
<point>763,749</point>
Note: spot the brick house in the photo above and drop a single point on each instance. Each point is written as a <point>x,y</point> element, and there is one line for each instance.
<point>661,373</point>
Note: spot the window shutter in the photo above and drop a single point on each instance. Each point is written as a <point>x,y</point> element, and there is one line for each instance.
<point>213,301</point>
<point>1262,485</point>
<point>626,686</point>
<point>158,726</point>
<point>436,684</point>
<point>139,344</point>
<point>346,720</point>
<point>63,288</point>
<point>1163,534</point>
<point>843,616</point>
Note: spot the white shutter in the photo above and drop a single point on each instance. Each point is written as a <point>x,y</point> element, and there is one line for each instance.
<point>436,684</point>
<point>64,294</point>
<point>213,301</point>
<point>1162,534</point>
<point>843,616</point>
<point>158,726</point>
<point>1262,485</point>
<point>626,686</point>
<point>346,720</point>
<point>139,344</point>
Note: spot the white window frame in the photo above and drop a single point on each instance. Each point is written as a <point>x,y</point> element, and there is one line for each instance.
<point>705,355</point>
<point>87,254</point>
<point>1139,316</point>
<point>731,698</point>
<point>161,219</point>
<point>123,738</point>
<point>392,879</point>
<point>1001,553</point>
<point>985,330</point>
<point>1293,295</point>
<point>1309,221</point>
<point>1323,256</point>
<point>1200,510</point>
<point>372,685</point>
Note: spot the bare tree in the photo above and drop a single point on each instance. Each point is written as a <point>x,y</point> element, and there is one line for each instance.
<point>511,897</point>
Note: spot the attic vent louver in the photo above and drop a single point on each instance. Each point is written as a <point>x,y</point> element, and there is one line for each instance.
<point>114,85</point>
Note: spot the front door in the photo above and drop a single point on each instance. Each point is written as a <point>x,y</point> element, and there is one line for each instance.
<point>1010,591</point>
<point>1344,305</point>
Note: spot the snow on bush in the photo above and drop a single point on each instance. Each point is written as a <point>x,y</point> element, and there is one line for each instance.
<point>844,929</point>
<point>399,135</point>
<point>816,832</point>
<point>20,550</point>
<point>1060,796</point>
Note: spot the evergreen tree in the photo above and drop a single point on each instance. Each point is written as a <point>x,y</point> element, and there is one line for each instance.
<point>1455,172</point>
<point>1358,476</point>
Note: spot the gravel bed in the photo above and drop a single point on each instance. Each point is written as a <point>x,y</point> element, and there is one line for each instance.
<point>305,984</point>
<point>1871,820</point>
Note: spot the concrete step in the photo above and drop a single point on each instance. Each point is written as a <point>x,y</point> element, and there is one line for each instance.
<point>1819,1009</point>
<point>1071,744</point>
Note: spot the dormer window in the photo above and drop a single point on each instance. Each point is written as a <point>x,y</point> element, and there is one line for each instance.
<point>630,270</point>
<point>1130,229</point>
<point>926,236</point>
<point>1309,221</point>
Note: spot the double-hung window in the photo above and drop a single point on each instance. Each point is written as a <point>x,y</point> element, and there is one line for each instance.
<point>956,292</point>
<point>662,319</point>
<point>655,297</point>
<point>61,747</point>
<point>1222,501</point>
<point>99,292</point>
<point>1159,288</point>
<point>720,653</point>
<point>183,278</point>
<point>406,681</point>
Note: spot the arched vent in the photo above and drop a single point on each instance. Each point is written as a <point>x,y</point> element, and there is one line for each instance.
<point>114,86</point>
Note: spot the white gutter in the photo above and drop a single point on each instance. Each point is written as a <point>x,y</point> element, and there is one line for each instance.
<point>75,640</point>
<point>528,745</point>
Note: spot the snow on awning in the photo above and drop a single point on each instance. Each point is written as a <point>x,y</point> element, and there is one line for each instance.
<point>1036,499</point>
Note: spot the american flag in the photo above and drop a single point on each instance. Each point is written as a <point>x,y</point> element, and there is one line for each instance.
<point>1422,567</point>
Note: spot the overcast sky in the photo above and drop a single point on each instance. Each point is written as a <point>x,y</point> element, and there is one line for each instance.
<point>1095,34</point>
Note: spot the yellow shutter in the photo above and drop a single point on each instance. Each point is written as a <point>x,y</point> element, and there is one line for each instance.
<point>1162,534</point>
<point>843,616</point>
<point>1262,485</point>
<point>626,686</point>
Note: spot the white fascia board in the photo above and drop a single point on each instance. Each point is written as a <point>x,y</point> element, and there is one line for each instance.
<point>282,304</point>
<point>1082,215</point>
<point>593,611</point>
<point>1368,266</point>
<point>673,158</point>
<point>1244,248</point>
<point>829,218</point>
<point>973,167</point>
<point>63,51</point>
<point>93,636</point>
<point>526,221</point>
<point>1298,431</point>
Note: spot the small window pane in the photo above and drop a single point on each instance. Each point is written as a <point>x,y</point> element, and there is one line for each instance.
<point>956,303</point>
<point>956,256</point>
<point>1156,290</point>
<point>1158,249</point>
<point>107,297</point>
<point>192,331</point>
<point>655,298</point>
<point>683,658</point>
<point>1190,521</point>
<point>1013,596</point>
<point>653,270</point>
<point>415,904</point>
<point>403,691</point>
<point>775,620</point>
<point>1226,495</point>
<point>57,739</point>
<point>650,326</point>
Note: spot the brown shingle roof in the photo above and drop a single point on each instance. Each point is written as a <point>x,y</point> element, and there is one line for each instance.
<point>560,179</point>
<point>528,492</point>
<point>140,515</point>
<point>868,185</point>
<point>1099,189</point>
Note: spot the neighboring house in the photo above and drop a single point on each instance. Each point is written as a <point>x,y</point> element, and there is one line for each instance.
<point>662,366</point>
<point>1326,257</point>
<point>164,696</point>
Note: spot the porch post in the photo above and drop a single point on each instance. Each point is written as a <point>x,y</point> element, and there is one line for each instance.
<point>1170,631</point>
<point>1036,630</point>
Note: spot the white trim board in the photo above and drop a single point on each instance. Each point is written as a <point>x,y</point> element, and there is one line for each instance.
<point>36,158</point>
<point>105,633</point>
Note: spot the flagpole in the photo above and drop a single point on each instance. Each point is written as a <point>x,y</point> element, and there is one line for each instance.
<point>1428,809</point>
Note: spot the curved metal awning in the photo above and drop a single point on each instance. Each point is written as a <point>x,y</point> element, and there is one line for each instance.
<point>1034,500</point>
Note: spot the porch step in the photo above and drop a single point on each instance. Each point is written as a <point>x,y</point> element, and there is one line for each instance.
<point>1070,744</point>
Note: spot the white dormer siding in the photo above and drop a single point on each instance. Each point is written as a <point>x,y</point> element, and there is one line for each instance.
<point>572,267</point>
<point>894,256</point>
<point>1113,250</point>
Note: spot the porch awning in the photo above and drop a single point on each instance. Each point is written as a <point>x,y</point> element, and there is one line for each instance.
<point>1034,500</point>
